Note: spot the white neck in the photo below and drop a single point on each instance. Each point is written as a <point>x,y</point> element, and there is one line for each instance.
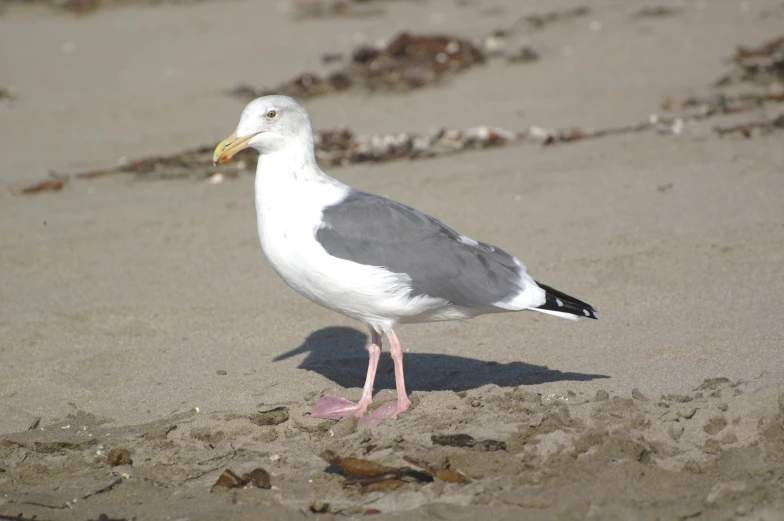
<point>291,163</point>
<point>291,176</point>
<point>291,191</point>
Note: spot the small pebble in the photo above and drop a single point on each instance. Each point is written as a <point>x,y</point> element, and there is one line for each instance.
<point>118,457</point>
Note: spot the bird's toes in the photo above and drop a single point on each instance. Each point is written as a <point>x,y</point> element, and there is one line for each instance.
<point>386,411</point>
<point>331,407</point>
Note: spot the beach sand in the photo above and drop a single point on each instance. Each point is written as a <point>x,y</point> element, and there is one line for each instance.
<point>139,312</point>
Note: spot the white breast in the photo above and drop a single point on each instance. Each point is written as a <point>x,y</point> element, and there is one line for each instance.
<point>289,214</point>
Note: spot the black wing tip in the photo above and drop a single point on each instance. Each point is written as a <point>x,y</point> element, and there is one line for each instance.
<point>559,301</point>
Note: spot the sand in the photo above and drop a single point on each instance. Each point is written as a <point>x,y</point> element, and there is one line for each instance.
<point>141,314</point>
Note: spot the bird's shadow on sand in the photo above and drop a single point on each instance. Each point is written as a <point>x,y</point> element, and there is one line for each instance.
<point>339,353</point>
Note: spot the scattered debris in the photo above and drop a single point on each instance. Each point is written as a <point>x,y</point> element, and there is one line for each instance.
<point>659,11</point>
<point>355,467</point>
<point>194,162</point>
<point>304,9</point>
<point>551,136</point>
<point>762,65</point>
<point>79,6</point>
<point>723,104</point>
<point>616,443</point>
<point>342,147</point>
<point>88,6</point>
<point>440,473</point>
<point>407,62</point>
<point>228,479</point>
<point>333,147</point>
<point>540,21</point>
<point>464,440</point>
<point>274,416</point>
<point>372,477</point>
<point>321,507</point>
<point>117,457</point>
<point>258,478</point>
<point>48,185</point>
<point>746,129</point>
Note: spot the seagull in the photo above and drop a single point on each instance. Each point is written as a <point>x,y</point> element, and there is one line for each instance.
<point>367,257</point>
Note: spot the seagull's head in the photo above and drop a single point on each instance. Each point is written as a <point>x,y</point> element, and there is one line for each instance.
<point>268,124</point>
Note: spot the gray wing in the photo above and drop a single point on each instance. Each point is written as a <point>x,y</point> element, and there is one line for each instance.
<point>371,230</point>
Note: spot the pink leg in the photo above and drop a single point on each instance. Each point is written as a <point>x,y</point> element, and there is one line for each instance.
<point>390,410</point>
<point>334,408</point>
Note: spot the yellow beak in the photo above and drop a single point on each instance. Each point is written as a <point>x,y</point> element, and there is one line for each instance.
<point>229,147</point>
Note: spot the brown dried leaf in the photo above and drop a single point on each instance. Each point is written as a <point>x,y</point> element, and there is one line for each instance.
<point>449,475</point>
<point>230,480</point>
<point>380,486</point>
<point>440,473</point>
<point>355,467</point>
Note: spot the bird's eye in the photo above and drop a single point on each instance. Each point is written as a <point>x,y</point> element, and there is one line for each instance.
<point>272,114</point>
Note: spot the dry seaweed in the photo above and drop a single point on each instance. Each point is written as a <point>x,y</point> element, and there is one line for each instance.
<point>342,147</point>
<point>88,6</point>
<point>467,441</point>
<point>723,104</point>
<point>540,21</point>
<point>305,9</point>
<point>47,185</point>
<point>407,62</point>
<point>747,129</point>
<point>333,147</point>
<point>193,162</point>
<point>659,11</point>
<point>763,64</point>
